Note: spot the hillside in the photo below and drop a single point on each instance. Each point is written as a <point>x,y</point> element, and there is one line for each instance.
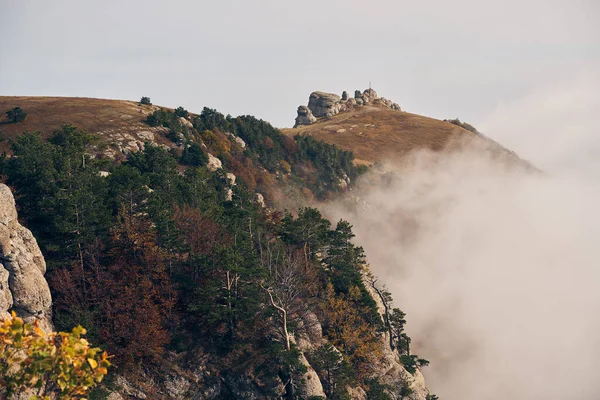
<point>157,239</point>
<point>374,132</point>
<point>119,122</point>
<point>166,235</point>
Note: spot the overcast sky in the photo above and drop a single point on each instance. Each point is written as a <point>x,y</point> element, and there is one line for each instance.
<point>460,58</point>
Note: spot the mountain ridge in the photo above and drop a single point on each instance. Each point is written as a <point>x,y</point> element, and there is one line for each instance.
<point>190,180</point>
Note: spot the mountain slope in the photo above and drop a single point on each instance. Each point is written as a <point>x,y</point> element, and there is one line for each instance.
<point>116,121</point>
<point>186,188</point>
<point>375,133</point>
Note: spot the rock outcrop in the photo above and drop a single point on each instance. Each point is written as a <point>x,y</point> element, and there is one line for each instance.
<point>305,116</point>
<point>23,287</point>
<point>390,370</point>
<point>325,105</point>
<point>213,163</point>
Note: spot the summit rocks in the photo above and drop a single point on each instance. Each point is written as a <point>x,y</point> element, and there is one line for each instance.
<point>326,105</point>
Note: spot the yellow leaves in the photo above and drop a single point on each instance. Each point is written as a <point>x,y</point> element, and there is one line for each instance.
<point>349,332</point>
<point>285,166</point>
<point>217,142</point>
<point>62,363</point>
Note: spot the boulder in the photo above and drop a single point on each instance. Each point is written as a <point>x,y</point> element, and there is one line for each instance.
<point>231,178</point>
<point>23,287</point>
<point>357,94</point>
<point>240,141</point>
<point>185,122</point>
<point>324,104</point>
<point>213,163</point>
<point>344,96</point>
<point>260,199</point>
<point>311,384</point>
<point>370,93</point>
<point>305,117</point>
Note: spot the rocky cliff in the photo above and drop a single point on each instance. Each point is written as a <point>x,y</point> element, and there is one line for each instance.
<point>23,287</point>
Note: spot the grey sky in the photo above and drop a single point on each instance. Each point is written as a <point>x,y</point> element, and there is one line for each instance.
<point>438,58</point>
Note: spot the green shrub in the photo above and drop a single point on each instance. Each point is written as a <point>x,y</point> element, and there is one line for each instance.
<point>181,112</point>
<point>16,115</point>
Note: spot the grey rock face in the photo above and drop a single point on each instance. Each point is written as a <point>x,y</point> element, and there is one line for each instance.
<point>23,287</point>
<point>357,94</point>
<point>344,96</point>
<point>305,116</point>
<point>324,104</point>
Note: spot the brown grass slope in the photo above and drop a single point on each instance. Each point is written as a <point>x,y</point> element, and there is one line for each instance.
<point>375,133</point>
<point>107,118</point>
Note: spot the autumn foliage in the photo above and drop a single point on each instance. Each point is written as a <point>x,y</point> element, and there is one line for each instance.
<point>139,297</point>
<point>350,332</point>
<point>46,365</point>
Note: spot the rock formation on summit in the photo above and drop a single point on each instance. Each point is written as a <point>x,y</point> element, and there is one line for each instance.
<point>305,116</point>
<point>23,287</point>
<point>325,105</point>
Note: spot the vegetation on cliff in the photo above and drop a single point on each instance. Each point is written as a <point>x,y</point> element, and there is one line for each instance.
<point>161,254</point>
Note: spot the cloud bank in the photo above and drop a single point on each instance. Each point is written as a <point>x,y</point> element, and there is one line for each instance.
<point>497,267</point>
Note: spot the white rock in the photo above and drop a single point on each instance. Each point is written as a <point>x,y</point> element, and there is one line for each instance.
<point>213,163</point>
<point>146,136</point>
<point>185,122</point>
<point>312,386</point>
<point>231,178</point>
<point>240,141</point>
<point>260,199</point>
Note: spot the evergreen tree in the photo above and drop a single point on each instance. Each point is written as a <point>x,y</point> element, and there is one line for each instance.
<point>181,112</point>
<point>15,115</point>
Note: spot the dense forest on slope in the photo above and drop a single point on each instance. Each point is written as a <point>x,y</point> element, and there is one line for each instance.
<point>159,256</point>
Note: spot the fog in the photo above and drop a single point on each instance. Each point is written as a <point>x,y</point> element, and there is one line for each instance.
<point>496,266</point>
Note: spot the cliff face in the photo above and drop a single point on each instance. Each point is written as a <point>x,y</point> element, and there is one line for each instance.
<point>23,287</point>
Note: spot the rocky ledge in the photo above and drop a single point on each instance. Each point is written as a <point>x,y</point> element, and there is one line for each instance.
<point>324,105</point>
<point>23,287</point>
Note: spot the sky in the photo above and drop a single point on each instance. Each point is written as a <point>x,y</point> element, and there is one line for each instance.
<point>464,58</point>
